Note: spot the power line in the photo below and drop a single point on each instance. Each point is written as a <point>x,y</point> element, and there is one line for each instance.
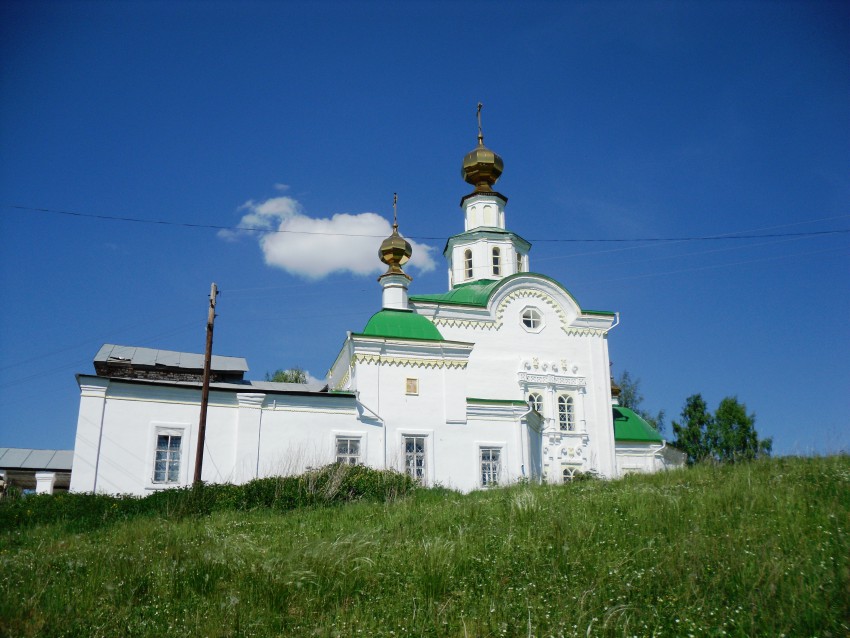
<point>163,222</point>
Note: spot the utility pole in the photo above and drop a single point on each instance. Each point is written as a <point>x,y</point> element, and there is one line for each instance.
<point>205,392</point>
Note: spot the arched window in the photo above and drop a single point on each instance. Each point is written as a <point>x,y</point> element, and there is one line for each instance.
<point>467,264</point>
<point>535,402</point>
<point>566,414</point>
<point>497,261</point>
<point>568,474</point>
<point>518,262</point>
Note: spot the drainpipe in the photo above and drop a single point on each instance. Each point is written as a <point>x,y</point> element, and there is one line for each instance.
<point>521,445</point>
<point>615,324</point>
<point>657,452</point>
<point>377,416</point>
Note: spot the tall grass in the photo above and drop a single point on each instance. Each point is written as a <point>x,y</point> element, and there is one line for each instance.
<point>760,549</point>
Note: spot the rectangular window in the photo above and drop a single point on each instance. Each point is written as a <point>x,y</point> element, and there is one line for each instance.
<point>490,458</point>
<point>412,386</point>
<point>348,450</point>
<point>414,457</point>
<point>166,467</point>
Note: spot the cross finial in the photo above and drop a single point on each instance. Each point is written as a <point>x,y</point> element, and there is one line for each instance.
<point>480,133</point>
<point>395,211</point>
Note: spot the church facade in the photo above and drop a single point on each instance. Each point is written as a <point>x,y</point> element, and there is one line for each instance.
<point>504,377</point>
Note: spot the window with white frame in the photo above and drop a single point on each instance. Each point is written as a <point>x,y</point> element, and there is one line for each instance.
<point>532,319</point>
<point>414,457</point>
<point>568,474</point>
<point>519,262</point>
<point>566,414</point>
<point>490,460</point>
<point>167,456</point>
<point>497,261</point>
<point>348,450</point>
<point>467,264</point>
<point>535,402</point>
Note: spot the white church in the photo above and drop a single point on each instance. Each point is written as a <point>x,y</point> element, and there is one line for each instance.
<point>503,377</point>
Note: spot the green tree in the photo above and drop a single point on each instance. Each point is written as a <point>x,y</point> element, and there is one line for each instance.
<point>692,434</point>
<point>630,397</point>
<point>733,435</point>
<point>290,375</point>
<point>727,436</point>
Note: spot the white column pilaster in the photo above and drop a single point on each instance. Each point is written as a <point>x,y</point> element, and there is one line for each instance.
<point>44,482</point>
<point>89,434</point>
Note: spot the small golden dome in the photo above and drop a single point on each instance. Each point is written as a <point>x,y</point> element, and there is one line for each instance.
<point>481,166</point>
<point>395,250</point>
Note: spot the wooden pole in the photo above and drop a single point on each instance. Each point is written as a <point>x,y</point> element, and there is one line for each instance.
<point>205,392</point>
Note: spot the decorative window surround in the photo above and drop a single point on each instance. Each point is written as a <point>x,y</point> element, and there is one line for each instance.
<point>566,414</point>
<point>531,319</point>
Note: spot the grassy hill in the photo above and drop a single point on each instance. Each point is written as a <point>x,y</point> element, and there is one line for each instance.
<point>761,549</point>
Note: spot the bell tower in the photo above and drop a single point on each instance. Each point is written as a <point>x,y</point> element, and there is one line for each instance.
<point>485,250</point>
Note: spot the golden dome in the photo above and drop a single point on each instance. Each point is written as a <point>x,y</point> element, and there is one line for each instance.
<point>481,166</point>
<point>395,250</point>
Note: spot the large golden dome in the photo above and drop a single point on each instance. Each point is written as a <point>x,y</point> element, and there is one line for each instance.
<point>482,167</point>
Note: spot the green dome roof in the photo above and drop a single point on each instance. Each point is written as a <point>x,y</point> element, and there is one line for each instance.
<point>628,426</point>
<point>401,324</point>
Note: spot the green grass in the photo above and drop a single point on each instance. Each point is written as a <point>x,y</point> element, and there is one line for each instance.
<point>760,549</point>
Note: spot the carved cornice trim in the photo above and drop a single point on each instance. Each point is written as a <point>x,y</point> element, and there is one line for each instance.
<point>383,360</point>
<point>553,379</point>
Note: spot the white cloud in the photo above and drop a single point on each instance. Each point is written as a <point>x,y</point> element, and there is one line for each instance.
<point>316,247</point>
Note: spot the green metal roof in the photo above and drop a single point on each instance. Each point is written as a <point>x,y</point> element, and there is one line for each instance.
<point>515,402</point>
<point>474,293</point>
<point>628,426</point>
<point>478,293</point>
<point>401,324</point>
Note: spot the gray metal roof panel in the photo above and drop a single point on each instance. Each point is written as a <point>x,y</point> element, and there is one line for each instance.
<point>38,459</point>
<point>14,457</point>
<point>171,358</point>
<point>62,460</point>
<point>122,353</point>
<point>145,357</point>
<point>25,458</point>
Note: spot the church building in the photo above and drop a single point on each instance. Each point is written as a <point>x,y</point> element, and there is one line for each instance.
<point>503,377</point>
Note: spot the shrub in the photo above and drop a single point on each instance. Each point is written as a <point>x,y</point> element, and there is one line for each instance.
<point>332,484</point>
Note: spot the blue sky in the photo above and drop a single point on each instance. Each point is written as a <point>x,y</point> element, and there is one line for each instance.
<point>633,120</point>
